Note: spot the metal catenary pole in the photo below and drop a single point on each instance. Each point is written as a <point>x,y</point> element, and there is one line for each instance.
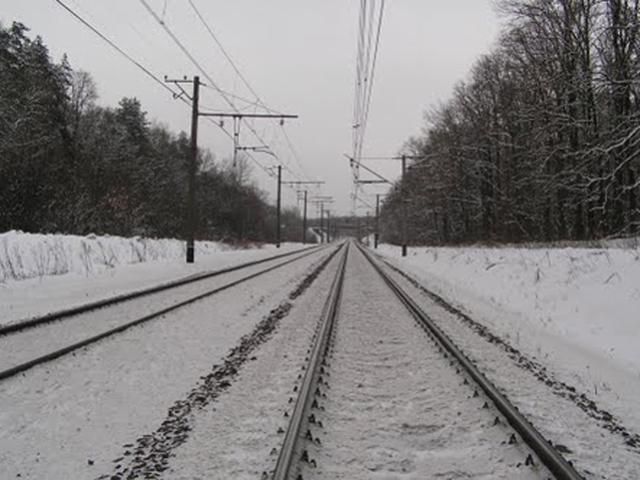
<point>191,199</point>
<point>321,222</point>
<point>376,235</point>
<point>190,215</point>
<point>403,199</point>
<point>304,220</point>
<point>278,206</point>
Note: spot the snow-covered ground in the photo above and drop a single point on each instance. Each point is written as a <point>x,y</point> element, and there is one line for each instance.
<point>73,417</point>
<point>395,408</point>
<point>44,273</point>
<point>36,255</point>
<point>573,309</point>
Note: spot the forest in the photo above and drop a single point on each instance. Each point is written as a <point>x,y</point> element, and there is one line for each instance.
<point>68,165</point>
<point>540,142</point>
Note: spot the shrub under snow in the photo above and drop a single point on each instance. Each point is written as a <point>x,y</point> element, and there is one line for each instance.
<point>29,255</point>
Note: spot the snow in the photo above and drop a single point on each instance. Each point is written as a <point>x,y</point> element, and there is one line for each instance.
<point>589,437</point>
<point>395,408</point>
<point>233,438</point>
<point>71,418</point>
<point>587,297</point>
<point>23,346</point>
<point>36,255</point>
<point>77,273</point>
<point>574,310</point>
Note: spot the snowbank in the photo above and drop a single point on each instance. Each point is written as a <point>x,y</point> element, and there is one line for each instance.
<point>44,273</point>
<point>586,297</point>
<point>29,255</point>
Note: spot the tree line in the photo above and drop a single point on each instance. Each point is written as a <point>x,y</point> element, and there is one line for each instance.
<point>68,165</point>
<point>541,142</point>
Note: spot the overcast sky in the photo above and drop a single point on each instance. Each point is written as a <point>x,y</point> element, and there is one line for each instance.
<point>299,56</point>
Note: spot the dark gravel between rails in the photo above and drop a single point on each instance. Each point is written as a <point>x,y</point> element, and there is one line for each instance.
<point>604,418</point>
<point>149,456</point>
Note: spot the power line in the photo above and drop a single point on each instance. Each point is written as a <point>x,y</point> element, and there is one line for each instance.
<point>160,82</point>
<point>146,71</point>
<point>373,69</point>
<point>116,47</point>
<point>177,41</point>
<point>228,57</point>
<point>259,101</point>
<point>366,60</point>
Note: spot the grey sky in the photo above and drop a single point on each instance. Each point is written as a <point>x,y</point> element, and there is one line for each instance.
<point>298,55</point>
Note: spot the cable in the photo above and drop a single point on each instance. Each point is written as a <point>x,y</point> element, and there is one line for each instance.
<point>116,47</point>
<point>259,101</point>
<point>373,68</point>
<point>147,72</point>
<point>229,59</point>
<point>365,75</point>
<point>175,39</point>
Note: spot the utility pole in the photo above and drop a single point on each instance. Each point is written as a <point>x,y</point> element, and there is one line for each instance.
<point>278,206</point>
<point>328,226</point>
<point>376,235</point>
<point>322,222</point>
<point>192,171</point>
<point>304,221</point>
<point>403,199</point>
<point>193,161</point>
<point>321,200</point>
<point>403,191</point>
<point>237,120</point>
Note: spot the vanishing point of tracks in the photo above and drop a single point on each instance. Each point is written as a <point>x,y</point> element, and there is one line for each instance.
<point>60,333</point>
<point>322,408</point>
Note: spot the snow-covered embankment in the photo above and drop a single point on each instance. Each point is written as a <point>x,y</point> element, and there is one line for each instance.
<point>575,309</point>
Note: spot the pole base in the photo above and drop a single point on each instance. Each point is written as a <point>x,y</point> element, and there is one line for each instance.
<point>404,250</point>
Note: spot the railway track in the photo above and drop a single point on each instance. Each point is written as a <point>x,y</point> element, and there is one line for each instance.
<point>343,418</point>
<point>64,332</point>
<point>589,430</point>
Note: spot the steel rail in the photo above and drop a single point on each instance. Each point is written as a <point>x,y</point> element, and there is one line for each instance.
<point>16,369</point>
<point>70,312</point>
<point>550,457</point>
<point>299,418</point>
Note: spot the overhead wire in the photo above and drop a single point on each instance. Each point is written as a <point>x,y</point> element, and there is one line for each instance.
<point>213,83</point>
<point>165,86</point>
<point>258,100</point>
<point>141,67</point>
<point>366,60</point>
<point>228,57</point>
<point>132,60</point>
